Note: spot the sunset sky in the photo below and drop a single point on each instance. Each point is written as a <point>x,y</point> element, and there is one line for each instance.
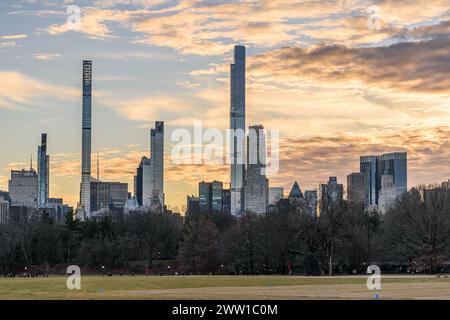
<point>339,79</point>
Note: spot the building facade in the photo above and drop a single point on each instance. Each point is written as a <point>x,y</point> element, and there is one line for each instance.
<point>23,188</point>
<point>358,188</point>
<point>237,129</point>
<point>256,183</point>
<point>85,193</point>
<point>330,193</point>
<point>43,172</point>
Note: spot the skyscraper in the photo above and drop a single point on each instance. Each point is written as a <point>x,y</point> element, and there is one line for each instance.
<point>330,193</point>
<point>357,188</point>
<point>157,156</point>
<point>371,167</point>
<point>205,196</point>
<point>375,167</point>
<point>237,128</point>
<point>149,186</point>
<point>23,188</point>
<point>43,172</point>
<point>256,183</point>
<point>217,196</point>
<point>395,164</point>
<point>86,140</point>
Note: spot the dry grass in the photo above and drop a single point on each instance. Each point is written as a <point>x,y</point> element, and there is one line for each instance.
<point>225,287</point>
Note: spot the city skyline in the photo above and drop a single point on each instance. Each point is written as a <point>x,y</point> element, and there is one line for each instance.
<point>326,120</point>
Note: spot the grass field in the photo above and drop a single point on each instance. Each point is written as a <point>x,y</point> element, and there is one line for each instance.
<point>225,287</point>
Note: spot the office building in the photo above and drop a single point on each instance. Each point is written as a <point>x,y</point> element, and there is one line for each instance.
<point>149,179</point>
<point>205,196</point>
<point>23,188</point>
<point>256,184</point>
<point>237,128</point>
<point>43,172</point>
<point>217,196</point>
<point>394,164</point>
<point>192,205</point>
<point>108,196</point>
<point>85,193</point>
<point>358,188</point>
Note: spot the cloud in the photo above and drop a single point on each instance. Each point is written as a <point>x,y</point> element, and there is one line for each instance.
<point>19,91</point>
<point>14,37</point>
<point>415,66</point>
<point>46,56</point>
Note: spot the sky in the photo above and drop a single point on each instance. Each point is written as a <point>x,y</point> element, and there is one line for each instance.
<point>338,79</point>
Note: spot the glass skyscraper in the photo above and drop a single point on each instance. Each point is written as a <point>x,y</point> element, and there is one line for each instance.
<point>375,167</point>
<point>237,126</point>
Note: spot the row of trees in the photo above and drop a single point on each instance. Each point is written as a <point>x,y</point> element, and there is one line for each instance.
<point>414,235</point>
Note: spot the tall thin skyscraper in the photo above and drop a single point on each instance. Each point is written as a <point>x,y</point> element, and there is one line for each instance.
<point>43,172</point>
<point>86,140</point>
<point>237,126</point>
<point>157,156</point>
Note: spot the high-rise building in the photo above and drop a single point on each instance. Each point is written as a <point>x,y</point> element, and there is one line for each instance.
<point>394,164</point>
<point>371,167</point>
<point>358,188</point>
<point>193,205</point>
<point>149,179</point>
<point>23,188</point>
<point>237,129</point>
<point>311,200</point>
<point>108,195</point>
<point>446,185</point>
<point>4,211</point>
<point>217,196</point>
<point>205,196</point>
<point>275,194</point>
<point>43,172</point>
<point>85,194</point>
<point>330,193</point>
<point>226,201</point>
<point>157,156</point>
<point>256,184</point>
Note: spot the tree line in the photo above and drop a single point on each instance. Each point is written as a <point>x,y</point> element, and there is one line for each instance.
<point>412,236</point>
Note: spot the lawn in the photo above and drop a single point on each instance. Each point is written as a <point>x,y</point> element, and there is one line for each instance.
<point>225,287</point>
